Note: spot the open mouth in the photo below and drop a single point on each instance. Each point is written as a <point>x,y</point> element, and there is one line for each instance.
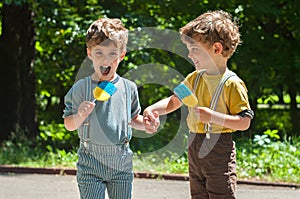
<point>105,70</point>
<point>195,62</point>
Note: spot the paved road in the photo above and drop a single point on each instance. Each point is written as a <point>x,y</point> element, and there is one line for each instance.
<point>34,186</point>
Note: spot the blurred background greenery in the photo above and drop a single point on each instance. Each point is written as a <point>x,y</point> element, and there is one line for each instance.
<point>42,47</point>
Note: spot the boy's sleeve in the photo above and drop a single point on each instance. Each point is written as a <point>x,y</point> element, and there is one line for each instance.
<point>72,100</point>
<point>190,79</point>
<point>69,108</point>
<point>135,103</point>
<point>238,99</point>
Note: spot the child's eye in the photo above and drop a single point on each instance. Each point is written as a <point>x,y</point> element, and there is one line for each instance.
<point>113,55</point>
<point>97,53</point>
<point>195,49</point>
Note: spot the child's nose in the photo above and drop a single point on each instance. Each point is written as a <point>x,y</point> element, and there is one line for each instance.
<point>107,60</point>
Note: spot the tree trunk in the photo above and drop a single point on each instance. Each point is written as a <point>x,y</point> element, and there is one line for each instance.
<point>17,78</point>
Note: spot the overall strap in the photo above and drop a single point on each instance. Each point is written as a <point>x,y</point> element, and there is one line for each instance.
<point>128,106</point>
<point>196,81</point>
<point>86,123</point>
<point>199,75</point>
<point>215,99</point>
<point>213,104</point>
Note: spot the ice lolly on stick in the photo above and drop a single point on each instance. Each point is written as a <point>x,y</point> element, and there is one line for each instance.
<point>104,91</point>
<point>185,95</point>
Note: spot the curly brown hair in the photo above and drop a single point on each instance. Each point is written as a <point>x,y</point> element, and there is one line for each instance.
<point>212,27</point>
<point>107,30</point>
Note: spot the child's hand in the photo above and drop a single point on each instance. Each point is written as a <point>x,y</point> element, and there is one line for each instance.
<point>85,108</point>
<point>204,114</point>
<point>151,121</point>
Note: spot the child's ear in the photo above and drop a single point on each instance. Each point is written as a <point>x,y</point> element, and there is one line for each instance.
<point>122,55</point>
<point>89,53</point>
<point>218,47</point>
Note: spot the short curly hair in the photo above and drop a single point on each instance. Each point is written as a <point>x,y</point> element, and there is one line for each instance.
<point>106,29</point>
<point>211,27</point>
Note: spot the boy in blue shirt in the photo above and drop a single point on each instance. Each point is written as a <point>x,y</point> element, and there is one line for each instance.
<point>104,127</point>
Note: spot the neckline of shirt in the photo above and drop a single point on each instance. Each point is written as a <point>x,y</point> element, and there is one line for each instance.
<point>114,81</point>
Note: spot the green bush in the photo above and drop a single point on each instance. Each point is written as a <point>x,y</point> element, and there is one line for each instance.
<point>41,152</point>
<point>55,136</point>
<point>268,158</point>
<point>272,119</point>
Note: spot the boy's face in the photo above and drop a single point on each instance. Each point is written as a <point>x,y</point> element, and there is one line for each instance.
<point>106,59</point>
<point>201,55</point>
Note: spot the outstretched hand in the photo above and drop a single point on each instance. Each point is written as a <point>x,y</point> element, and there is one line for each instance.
<point>151,121</point>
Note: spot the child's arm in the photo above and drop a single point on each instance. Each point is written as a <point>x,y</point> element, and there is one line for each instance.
<point>236,122</point>
<point>73,122</point>
<point>138,123</point>
<point>161,107</point>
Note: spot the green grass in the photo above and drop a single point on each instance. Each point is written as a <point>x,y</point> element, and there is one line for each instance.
<point>269,160</point>
<point>161,164</point>
<point>263,158</point>
<point>29,156</point>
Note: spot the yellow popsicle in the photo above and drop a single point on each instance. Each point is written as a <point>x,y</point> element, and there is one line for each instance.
<point>100,94</point>
<point>190,101</point>
<point>185,95</point>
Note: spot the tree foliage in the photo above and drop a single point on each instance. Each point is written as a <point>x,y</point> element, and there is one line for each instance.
<point>268,59</point>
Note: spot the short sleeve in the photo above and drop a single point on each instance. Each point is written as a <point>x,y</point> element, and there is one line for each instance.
<point>238,97</point>
<point>190,80</point>
<point>73,98</point>
<point>135,103</point>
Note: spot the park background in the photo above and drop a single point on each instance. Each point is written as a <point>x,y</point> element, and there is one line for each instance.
<point>42,47</point>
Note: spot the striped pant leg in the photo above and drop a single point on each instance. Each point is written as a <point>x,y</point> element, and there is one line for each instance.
<point>94,190</point>
<point>101,167</point>
<point>121,188</point>
<point>89,184</point>
<point>119,185</point>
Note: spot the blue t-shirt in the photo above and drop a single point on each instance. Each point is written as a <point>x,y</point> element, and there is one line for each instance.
<point>108,122</point>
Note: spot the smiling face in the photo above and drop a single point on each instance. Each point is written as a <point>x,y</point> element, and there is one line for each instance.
<point>106,58</point>
<point>200,55</point>
<point>208,57</point>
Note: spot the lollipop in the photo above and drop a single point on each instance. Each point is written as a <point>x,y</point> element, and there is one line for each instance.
<point>185,95</point>
<point>104,91</point>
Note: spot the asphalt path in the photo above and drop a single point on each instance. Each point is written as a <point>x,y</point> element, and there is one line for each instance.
<point>40,186</point>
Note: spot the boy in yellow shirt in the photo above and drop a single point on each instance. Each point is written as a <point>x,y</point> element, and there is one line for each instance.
<point>211,40</point>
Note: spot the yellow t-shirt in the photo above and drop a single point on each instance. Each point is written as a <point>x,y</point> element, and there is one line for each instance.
<point>233,99</point>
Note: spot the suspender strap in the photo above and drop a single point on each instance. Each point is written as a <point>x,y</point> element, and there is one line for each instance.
<point>128,106</point>
<point>199,75</point>
<point>196,81</point>
<point>216,96</point>
<point>86,123</point>
<point>219,89</point>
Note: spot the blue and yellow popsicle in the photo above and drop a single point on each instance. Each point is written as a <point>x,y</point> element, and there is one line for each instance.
<point>104,91</point>
<point>185,95</point>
